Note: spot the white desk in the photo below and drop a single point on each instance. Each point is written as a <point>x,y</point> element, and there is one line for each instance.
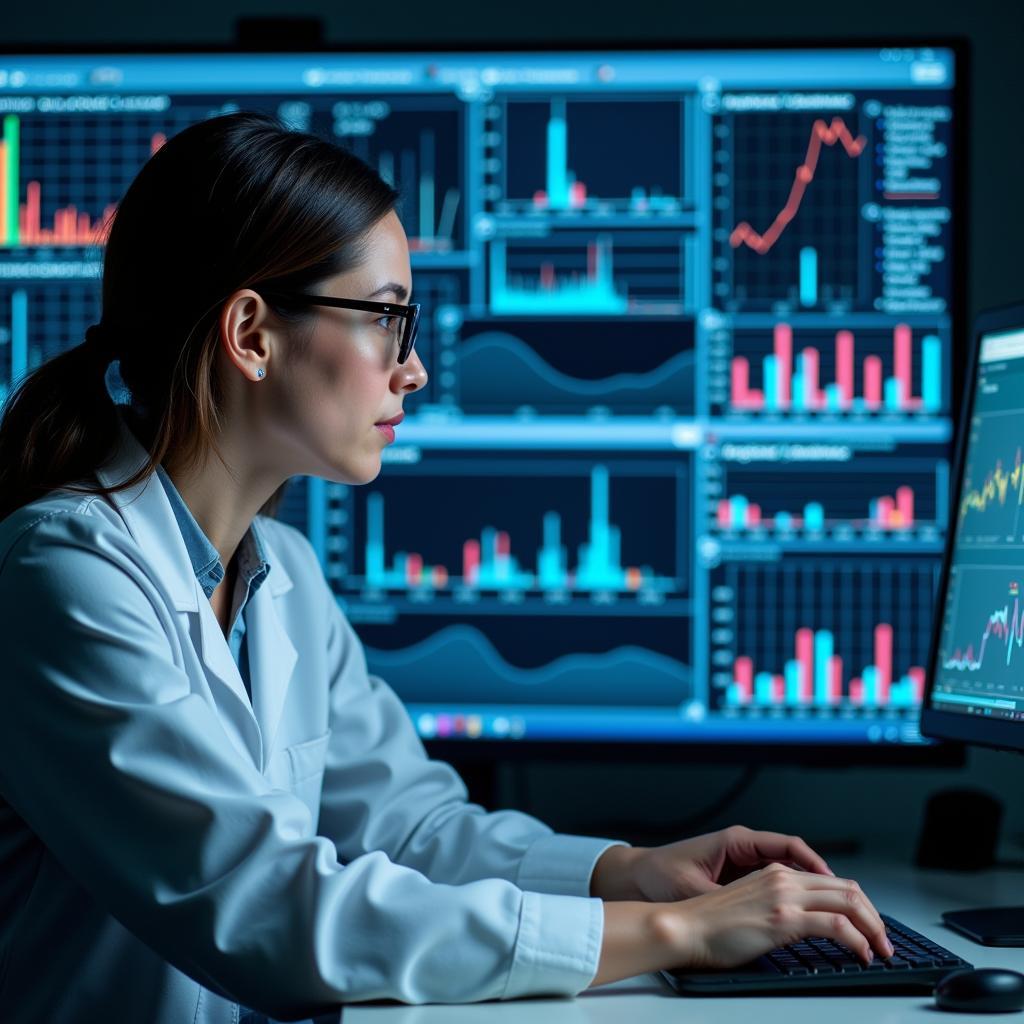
<point>915,897</point>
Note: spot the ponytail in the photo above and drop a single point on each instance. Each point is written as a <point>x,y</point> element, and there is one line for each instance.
<point>58,425</point>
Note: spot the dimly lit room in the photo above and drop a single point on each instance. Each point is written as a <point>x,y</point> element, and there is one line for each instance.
<point>511,513</point>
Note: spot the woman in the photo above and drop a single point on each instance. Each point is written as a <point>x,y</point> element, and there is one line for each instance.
<point>204,798</point>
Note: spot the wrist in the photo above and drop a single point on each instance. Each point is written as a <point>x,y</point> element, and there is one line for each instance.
<point>613,874</point>
<point>676,931</point>
<point>633,941</point>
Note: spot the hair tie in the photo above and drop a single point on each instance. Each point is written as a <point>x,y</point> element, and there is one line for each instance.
<point>98,339</point>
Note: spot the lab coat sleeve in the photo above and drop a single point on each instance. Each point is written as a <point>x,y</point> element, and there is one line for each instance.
<point>128,778</point>
<point>382,792</point>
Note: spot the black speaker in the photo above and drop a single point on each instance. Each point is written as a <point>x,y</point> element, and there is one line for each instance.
<point>960,830</point>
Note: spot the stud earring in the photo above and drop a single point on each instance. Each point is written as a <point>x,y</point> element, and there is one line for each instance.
<point>261,373</point>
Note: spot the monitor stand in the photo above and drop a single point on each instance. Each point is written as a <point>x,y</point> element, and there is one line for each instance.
<point>991,926</point>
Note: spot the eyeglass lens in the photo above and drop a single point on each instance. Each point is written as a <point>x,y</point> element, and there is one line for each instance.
<point>410,328</point>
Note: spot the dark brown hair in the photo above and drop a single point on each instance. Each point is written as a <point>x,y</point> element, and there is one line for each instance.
<point>233,202</point>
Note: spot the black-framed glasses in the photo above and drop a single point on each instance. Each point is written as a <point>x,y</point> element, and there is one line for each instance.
<point>409,315</point>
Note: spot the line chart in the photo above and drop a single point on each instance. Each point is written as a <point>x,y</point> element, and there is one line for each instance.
<point>821,134</point>
<point>1005,625</point>
<point>995,488</point>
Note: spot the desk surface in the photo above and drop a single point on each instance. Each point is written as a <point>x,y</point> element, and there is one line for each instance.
<point>915,897</point>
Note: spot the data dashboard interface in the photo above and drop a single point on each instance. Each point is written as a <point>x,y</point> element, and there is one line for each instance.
<point>978,668</point>
<point>680,470</point>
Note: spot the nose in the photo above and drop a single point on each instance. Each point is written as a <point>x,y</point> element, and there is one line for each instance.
<point>411,375</point>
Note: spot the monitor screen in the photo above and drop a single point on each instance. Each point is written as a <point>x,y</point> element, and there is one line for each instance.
<point>977,688</point>
<point>680,471</point>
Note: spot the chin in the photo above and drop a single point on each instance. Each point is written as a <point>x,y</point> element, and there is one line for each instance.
<point>369,477</point>
<point>363,473</point>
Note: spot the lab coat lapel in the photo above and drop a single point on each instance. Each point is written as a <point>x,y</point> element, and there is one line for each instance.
<point>272,655</point>
<point>149,517</point>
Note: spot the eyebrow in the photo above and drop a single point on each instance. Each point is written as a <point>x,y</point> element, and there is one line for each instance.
<point>401,292</point>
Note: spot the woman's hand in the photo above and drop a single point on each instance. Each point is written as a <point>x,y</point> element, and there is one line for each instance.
<point>735,923</point>
<point>772,907</point>
<point>691,867</point>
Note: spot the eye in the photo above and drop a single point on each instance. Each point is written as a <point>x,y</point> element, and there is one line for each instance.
<point>387,323</point>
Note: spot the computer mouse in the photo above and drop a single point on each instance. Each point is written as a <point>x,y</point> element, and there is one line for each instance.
<point>985,990</point>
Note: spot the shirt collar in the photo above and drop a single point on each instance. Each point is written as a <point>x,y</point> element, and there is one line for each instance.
<point>251,559</point>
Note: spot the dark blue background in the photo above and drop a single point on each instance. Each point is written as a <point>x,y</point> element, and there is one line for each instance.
<point>880,806</point>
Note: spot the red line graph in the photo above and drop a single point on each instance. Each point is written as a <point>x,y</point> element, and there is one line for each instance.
<point>821,134</point>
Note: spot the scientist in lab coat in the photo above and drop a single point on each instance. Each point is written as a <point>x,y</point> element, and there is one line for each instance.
<point>209,811</point>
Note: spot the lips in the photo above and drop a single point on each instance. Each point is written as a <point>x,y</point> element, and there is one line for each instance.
<point>393,422</point>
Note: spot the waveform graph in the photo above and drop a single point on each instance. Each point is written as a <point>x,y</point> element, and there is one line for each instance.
<point>793,371</point>
<point>997,641</point>
<point>813,636</point>
<point>981,647</point>
<point>416,146</point>
<point>39,321</point>
<point>581,366</point>
<point>544,528</point>
<point>584,273</point>
<point>789,189</point>
<point>891,499</point>
<point>550,157</point>
<point>522,664</point>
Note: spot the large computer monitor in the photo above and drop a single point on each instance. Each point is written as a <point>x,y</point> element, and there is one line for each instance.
<point>976,677</point>
<point>976,686</point>
<point>679,479</point>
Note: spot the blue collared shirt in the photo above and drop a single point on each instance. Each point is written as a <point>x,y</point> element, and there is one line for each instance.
<point>252,570</point>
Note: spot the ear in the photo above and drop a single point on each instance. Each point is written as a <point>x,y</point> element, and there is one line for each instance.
<point>245,333</point>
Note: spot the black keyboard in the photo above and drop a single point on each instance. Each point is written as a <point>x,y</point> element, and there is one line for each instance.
<point>821,964</point>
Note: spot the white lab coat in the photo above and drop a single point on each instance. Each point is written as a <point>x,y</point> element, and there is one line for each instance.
<point>168,850</point>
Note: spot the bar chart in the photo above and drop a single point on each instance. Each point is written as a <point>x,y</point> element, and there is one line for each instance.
<point>60,178</point>
<point>802,635</point>
<point>573,274</point>
<point>39,321</point>
<point>415,149</point>
<point>859,494</point>
<point>553,156</point>
<point>487,561</point>
<point>884,513</point>
<point>898,371</point>
<point>815,677</point>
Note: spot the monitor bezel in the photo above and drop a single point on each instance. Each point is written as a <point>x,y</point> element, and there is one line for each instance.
<point>950,725</point>
<point>640,751</point>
